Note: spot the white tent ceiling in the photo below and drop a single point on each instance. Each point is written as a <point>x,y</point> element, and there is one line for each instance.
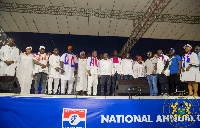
<point>14,21</point>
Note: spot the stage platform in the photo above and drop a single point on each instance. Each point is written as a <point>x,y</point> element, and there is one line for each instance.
<point>99,97</point>
<point>71,111</point>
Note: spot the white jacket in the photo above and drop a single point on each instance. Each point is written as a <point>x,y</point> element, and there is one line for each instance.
<point>93,65</point>
<point>127,67</point>
<point>139,70</point>
<point>105,67</point>
<point>43,59</point>
<point>116,65</point>
<point>54,62</point>
<point>161,64</point>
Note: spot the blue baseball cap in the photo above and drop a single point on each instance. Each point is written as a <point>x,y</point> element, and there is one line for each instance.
<point>172,49</point>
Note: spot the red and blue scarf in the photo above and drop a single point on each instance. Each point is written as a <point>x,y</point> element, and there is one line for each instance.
<point>67,60</point>
<point>115,60</point>
<point>94,61</point>
<point>39,57</point>
<point>163,58</point>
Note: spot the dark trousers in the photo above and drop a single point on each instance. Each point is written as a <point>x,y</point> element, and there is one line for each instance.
<point>128,77</point>
<point>105,81</point>
<point>114,79</point>
<point>174,81</point>
<point>44,78</point>
<point>184,87</point>
<point>163,79</point>
<point>99,87</point>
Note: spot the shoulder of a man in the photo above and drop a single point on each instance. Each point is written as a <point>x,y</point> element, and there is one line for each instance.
<point>166,57</point>
<point>178,58</point>
<point>63,57</point>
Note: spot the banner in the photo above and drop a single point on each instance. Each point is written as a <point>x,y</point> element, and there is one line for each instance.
<point>34,112</point>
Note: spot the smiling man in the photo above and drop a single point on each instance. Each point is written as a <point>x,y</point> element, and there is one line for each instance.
<point>41,72</point>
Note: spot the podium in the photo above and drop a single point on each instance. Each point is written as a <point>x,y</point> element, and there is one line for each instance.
<point>132,87</point>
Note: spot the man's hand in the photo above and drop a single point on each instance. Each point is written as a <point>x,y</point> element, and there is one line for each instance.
<point>179,72</point>
<point>43,66</point>
<point>163,72</point>
<point>188,68</point>
<point>89,73</point>
<point>6,63</point>
<point>99,76</point>
<point>183,70</point>
<point>9,62</point>
<point>57,69</point>
<point>62,71</point>
<point>154,72</point>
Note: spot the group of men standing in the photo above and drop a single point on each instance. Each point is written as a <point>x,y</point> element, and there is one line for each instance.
<point>173,72</point>
<point>84,72</point>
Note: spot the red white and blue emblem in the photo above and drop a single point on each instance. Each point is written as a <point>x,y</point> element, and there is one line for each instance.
<point>74,118</point>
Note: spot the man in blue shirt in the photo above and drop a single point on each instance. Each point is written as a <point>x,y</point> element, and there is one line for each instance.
<point>175,63</point>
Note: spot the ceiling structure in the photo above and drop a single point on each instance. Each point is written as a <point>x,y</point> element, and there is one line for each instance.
<point>180,19</point>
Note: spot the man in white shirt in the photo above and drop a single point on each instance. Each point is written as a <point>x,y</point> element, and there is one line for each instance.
<point>151,66</point>
<point>8,58</point>
<point>116,70</point>
<point>93,71</point>
<point>41,72</point>
<point>139,71</point>
<point>105,73</point>
<point>163,72</point>
<point>54,71</point>
<point>68,63</point>
<point>127,67</point>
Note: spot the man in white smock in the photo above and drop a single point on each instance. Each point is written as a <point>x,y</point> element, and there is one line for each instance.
<point>67,63</point>
<point>8,58</point>
<point>54,71</point>
<point>93,71</point>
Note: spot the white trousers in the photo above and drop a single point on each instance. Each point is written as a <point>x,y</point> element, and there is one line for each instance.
<point>56,83</point>
<point>70,86</point>
<point>92,82</point>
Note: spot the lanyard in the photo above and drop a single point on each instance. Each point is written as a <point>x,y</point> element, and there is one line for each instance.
<point>171,58</point>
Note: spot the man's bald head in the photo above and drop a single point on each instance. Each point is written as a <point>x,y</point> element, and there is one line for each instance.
<point>11,42</point>
<point>197,49</point>
<point>159,52</point>
<point>105,56</point>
